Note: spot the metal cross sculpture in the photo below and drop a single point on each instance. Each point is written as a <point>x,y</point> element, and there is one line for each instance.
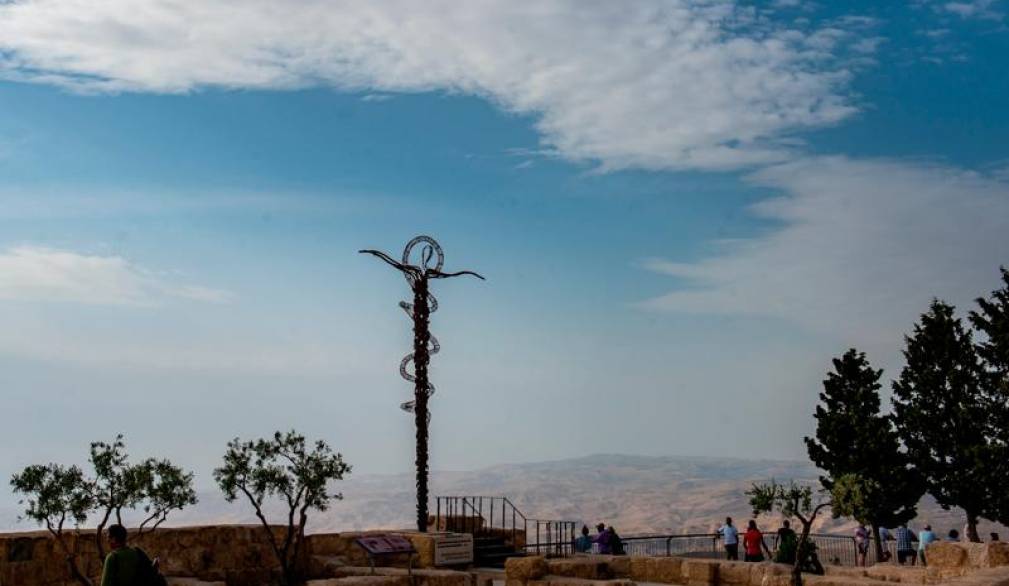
<point>424,345</point>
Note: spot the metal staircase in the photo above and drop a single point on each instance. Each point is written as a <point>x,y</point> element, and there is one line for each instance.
<point>500,530</point>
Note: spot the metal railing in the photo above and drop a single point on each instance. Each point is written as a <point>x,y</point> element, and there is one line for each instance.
<point>491,516</point>
<point>831,549</point>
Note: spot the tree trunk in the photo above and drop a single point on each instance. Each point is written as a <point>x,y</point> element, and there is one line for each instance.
<point>972,535</point>
<point>421,357</point>
<point>878,542</point>
<point>800,554</point>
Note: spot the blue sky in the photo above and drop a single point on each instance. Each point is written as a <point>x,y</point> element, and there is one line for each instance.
<point>684,210</point>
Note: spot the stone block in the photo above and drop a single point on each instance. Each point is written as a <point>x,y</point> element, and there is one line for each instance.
<point>177,581</point>
<point>639,569</point>
<point>736,573</point>
<point>588,568</point>
<point>700,572</point>
<point>362,581</point>
<point>666,570</point>
<point>946,555</point>
<point>620,566</point>
<point>527,568</point>
<point>901,574</point>
<point>769,572</point>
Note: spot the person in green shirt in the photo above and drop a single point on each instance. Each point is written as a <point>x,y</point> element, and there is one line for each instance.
<point>124,564</point>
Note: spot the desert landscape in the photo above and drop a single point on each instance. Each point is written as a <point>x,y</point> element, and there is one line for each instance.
<point>638,495</point>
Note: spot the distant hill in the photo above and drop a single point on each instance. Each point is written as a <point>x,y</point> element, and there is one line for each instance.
<point>635,494</point>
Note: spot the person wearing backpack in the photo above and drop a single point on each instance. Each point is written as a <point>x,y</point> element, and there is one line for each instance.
<point>128,566</point>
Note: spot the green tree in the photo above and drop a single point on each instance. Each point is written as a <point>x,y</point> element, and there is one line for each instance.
<point>116,485</point>
<point>284,467</point>
<point>991,319</point>
<point>796,501</point>
<point>156,486</point>
<point>854,438</point>
<point>55,495</point>
<point>941,410</point>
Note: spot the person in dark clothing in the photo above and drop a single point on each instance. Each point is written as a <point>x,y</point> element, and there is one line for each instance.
<point>127,566</point>
<point>787,544</point>
<point>616,544</point>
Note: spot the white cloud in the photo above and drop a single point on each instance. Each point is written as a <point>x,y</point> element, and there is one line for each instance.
<point>653,84</point>
<point>862,247</point>
<point>973,9</point>
<point>43,274</point>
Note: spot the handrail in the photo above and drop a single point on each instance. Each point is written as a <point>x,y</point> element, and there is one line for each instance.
<point>502,518</point>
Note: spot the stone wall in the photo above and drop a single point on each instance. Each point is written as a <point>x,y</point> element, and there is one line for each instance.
<point>237,555</point>
<point>957,564</point>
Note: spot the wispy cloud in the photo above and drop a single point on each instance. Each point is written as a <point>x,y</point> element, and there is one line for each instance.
<point>983,9</point>
<point>655,85</point>
<point>30,273</point>
<point>862,247</point>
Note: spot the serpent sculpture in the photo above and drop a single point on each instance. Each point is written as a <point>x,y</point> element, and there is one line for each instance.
<point>424,345</point>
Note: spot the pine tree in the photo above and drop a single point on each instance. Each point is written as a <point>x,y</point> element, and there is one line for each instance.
<point>992,320</point>
<point>854,438</point>
<point>941,413</point>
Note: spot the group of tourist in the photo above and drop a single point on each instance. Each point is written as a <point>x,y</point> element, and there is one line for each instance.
<point>754,545</point>
<point>905,540</point>
<point>605,541</point>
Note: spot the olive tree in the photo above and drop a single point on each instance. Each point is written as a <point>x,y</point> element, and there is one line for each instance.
<point>283,467</point>
<point>155,486</point>
<point>792,500</point>
<point>55,496</point>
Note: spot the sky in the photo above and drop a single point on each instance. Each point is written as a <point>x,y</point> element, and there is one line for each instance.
<point>683,209</point>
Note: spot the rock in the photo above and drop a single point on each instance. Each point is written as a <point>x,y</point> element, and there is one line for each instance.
<point>666,570</point>
<point>527,568</point>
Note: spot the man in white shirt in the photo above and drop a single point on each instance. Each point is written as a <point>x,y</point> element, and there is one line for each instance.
<point>730,539</point>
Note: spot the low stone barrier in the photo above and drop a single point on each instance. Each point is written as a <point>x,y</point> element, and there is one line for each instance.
<point>958,564</point>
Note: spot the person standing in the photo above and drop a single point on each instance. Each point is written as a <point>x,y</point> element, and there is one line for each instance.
<point>602,539</point>
<point>730,539</point>
<point>905,549</point>
<point>884,538</point>
<point>584,543</point>
<point>861,544</point>
<point>925,537</point>
<point>787,544</point>
<point>753,543</point>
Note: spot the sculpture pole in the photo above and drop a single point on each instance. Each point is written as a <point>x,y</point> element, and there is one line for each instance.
<point>424,345</point>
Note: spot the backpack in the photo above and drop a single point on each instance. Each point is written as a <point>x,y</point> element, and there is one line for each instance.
<point>147,572</point>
